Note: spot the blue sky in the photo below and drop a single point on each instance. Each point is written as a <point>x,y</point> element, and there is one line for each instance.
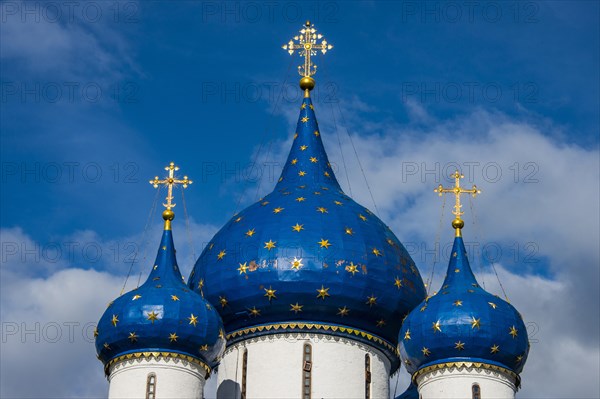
<point>97,98</point>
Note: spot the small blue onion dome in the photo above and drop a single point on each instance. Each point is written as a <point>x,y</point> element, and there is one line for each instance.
<point>463,323</point>
<point>163,315</point>
<point>307,252</point>
<point>411,392</point>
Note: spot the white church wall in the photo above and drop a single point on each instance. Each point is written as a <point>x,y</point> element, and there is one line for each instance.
<point>457,383</point>
<point>174,378</point>
<point>275,368</point>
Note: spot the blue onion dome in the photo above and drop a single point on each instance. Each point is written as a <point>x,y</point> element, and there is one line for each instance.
<point>463,323</point>
<point>163,315</point>
<point>411,392</point>
<point>308,253</point>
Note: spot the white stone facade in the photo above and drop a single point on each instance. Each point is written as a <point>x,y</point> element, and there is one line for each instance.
<point>275,368</point>
<point>173,378</point>
<point>457,382</point>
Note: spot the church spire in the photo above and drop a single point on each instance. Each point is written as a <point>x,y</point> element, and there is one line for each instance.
<point>306,42</point>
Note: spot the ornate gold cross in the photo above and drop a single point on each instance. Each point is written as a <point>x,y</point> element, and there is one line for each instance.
<point>308,46</point>
<point>170,181</point>
<point>457,190</point>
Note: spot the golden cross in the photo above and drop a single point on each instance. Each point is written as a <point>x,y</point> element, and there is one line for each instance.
<point>170,181</point>
<point>308,46</point>
<point>457,190</point>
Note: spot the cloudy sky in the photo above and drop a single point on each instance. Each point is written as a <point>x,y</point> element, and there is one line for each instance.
<point>97,97</point>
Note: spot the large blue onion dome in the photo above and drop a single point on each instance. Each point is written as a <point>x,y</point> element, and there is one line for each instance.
<point>308,255</point>
<point>163,317</point>
<point>463,323</point>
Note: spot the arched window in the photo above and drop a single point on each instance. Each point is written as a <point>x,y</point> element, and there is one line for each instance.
<point>151,386</point>
<point>244,372</point>
<point>367,376</point>
<point>476,391</point>
<point>306,371</point>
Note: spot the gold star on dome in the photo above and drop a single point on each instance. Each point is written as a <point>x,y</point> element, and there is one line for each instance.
<point>314,159</point>
<point>326,174</point>
<point>200,283</point>
<point>407,335</point>
<point>398,282</point>
<point>296,263</point>
<point>136,297</point>
<point>174,297</point>
<point>294,161</point>
<point>193,319</point>
<point>278,210</point>
<point>426,351</point>
<point>295,136</point>
<point>221,254</point>
<point>106,346</point>
<point>376,252</point>
<point>302,173</point>
<point>254,312</point>
<point>364,219</point>
<point>338,203</point>
<point>311,106</point>
<point>300,199</point>
<point>250,233</point>
<point>436,327</point>
<point>296,308</point>
<point>243,269</point>
<point>152,316</point>
<point>270,293</point>
<point>203,348</point>
<point>423,308</point>
<point>352,268</point>
<point>343,311</point>
<point>381,323</point>
<point>321,209</point>
<point>115,320</point>
<point>223,301</point>
<point>324,243</point>
<point>457,303</point>
<point>513,332</point>
<point>317,193</point>
<point>96,332</point>
<point>208,306</point>
<point>297,227</point>
<point>303,106</point>
<point>492,304</point>
<point>459,345</point>
<point>348,231</point>
<point>173,337</point>
<point>494,349</point>
<point>132,337</point>
<point>316,133</point>
<point>238,219</point>
<point>371,300</point>
<point>323,292</point>
<point>475,323</point>
<point>519,358</point>
<point>305,119</point>
<point>269,245</point>
<point>303,147</point>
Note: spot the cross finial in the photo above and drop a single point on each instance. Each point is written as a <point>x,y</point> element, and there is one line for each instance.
<point>306,43</point>
<point>457,190</point>
<point>170,181</point>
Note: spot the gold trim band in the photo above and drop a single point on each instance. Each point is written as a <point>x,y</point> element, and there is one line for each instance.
<point>148,355</point>
<point>313,326</point>
<point>460,365</point>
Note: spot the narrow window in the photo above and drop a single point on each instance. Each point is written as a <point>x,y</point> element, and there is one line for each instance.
<point>476,391</point>
<point>244,372</point>
<point>151,386</point>
<point>367,376</point>
<point>306,371</point>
